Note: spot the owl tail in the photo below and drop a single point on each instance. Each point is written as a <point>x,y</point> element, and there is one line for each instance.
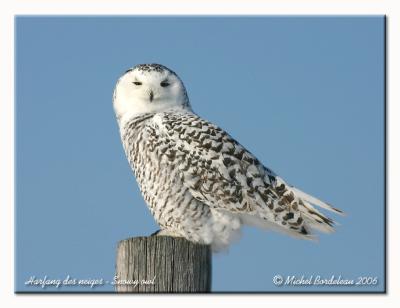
<point>314,218</point>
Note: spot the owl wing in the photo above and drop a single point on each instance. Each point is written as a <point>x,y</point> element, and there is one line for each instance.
<point>221,173</point>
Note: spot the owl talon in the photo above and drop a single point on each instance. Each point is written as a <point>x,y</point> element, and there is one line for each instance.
<point>155,233</point>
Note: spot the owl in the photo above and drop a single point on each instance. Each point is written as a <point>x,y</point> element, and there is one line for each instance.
<point>198,182</point>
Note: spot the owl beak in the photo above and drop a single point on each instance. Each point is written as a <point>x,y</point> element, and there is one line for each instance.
<point>151,95</point>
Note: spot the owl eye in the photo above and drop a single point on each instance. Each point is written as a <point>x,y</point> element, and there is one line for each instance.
<point>138,83</point>
<point>164,84</point>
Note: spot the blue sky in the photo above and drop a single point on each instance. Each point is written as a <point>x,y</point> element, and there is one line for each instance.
<point>304,94</point>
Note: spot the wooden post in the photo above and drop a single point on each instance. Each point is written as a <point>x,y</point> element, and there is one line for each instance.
<point>162,264</point>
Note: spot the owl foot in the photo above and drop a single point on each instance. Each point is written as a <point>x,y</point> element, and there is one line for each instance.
<point>166,233</point>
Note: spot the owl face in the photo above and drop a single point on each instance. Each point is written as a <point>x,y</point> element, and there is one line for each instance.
<point>148,88</point>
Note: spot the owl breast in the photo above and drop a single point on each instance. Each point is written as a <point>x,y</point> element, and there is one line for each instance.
<point>157,173</point>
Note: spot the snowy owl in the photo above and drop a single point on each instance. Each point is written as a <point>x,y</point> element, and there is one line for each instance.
<point>198,182</point>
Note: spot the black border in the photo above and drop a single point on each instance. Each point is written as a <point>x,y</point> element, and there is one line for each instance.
<point>385,86</point>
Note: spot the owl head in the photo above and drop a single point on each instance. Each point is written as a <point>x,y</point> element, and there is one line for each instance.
<point>148,88</point>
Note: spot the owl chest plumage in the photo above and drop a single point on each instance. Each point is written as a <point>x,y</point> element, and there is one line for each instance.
<point>156,169</point>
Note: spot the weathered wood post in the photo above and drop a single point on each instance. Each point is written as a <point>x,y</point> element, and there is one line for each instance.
<point>162,264</point>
